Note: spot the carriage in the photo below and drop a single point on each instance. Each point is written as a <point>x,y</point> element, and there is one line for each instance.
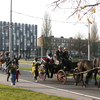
<point>61,72</point>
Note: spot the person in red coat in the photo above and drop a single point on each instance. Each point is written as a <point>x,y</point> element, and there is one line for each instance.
<point>17,74</point>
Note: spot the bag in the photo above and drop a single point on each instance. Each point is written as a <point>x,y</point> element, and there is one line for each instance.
<point>33,69</point>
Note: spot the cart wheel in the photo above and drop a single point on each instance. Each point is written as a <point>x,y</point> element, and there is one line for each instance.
<point>61,77</point>
<point>42,75</point>
<point>76,76</point>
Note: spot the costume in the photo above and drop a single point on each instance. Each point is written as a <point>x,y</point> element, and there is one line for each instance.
<point>35,69</point>
<point>49,66</point>
<point>17,74</point>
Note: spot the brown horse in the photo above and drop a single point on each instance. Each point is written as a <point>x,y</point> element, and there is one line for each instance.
<point>88,67</point>
<point>99,79</point>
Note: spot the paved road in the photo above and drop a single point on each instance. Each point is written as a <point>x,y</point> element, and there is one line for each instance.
<point>89,91</point>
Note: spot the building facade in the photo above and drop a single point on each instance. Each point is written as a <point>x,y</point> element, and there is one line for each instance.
<point>56,41</point>
<point>76,47</point>
<point>24,38</point>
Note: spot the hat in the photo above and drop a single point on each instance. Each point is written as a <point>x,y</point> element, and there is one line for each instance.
<point>59,47</point>
<point>65,48</point>
<point>50,54</point>
<point>35,58</point>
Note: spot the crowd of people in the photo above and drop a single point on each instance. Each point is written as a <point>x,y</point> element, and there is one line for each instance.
<point>11,66</point>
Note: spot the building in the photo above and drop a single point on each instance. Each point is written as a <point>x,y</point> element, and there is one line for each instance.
<point>76,47</point>
<point>64,42</point>
<point>24,38</point>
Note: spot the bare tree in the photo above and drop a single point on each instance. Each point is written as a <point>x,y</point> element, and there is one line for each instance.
<point>78,7</point>
<point>78,44</point>
<point>94,38</point>
<point>46,34</point>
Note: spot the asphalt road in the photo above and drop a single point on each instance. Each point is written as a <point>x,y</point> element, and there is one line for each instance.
<point>90,90</point>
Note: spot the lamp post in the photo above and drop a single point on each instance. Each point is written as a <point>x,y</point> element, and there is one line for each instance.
<point>41,50</point>
<point>10,30</point>
<point>70,45</point>
<point>19,47</point>
<point>88,41</point>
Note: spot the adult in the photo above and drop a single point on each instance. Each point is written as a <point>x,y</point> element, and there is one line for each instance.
<point>12,70</point>
<point>8,61</point>
<point>59,54</point>
<point>8,73</point>
<point>49,65</point>
<point>1,62</point>
<point>35,68</point>
<point>66,60</point>
<point>16,59</point>
<point>65,54</point>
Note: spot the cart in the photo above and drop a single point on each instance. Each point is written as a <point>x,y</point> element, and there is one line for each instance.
<point>61,72</point>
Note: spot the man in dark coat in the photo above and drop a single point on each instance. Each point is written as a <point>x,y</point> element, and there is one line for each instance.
<point>66,61</point>
<point>59,54</point>
<point>16,59</point>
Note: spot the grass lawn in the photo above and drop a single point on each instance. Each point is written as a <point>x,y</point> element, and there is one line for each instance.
<point>14,93</point>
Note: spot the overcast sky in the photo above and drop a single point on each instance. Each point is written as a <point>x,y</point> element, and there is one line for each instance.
<point>31,12</point>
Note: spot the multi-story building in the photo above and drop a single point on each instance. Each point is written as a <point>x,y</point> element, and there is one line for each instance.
<point>76,47</point>
<point>24,38</point>
<point>64,42</point>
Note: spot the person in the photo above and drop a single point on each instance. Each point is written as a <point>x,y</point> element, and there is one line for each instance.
<point>16,58</point>
<point>7,60</point>
<point>35,68</point>
<point>8,64</point>
<point>49,65</point>
<point>12,70</point>
<point>1,62</point>
<point>66,59</point>
<point>59,54</point>
<point>17,74</point>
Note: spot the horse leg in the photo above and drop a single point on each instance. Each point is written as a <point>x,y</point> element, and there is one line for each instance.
<point>83,85</point>
<point>77,79</point>
<point>88,76</point>
<point>99,85</point>
<point>95,77</point>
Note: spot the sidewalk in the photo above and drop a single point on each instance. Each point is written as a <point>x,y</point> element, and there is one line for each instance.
<point>43,88</point>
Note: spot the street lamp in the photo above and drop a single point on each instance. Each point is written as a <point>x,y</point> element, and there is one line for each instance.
<point>88,41</point>
<point>10,30</point>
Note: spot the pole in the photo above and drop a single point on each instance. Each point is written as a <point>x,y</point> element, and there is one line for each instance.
<point>41,51</point>
<point>19,46</point>
<point>10,30</point>
<point>88,41</point>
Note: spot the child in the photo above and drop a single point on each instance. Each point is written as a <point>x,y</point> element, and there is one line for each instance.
<point>35,68</point>
<point>17,74</point>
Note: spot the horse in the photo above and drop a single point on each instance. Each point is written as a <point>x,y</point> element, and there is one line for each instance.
<point>99,79</point>
<point>89,67</point>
